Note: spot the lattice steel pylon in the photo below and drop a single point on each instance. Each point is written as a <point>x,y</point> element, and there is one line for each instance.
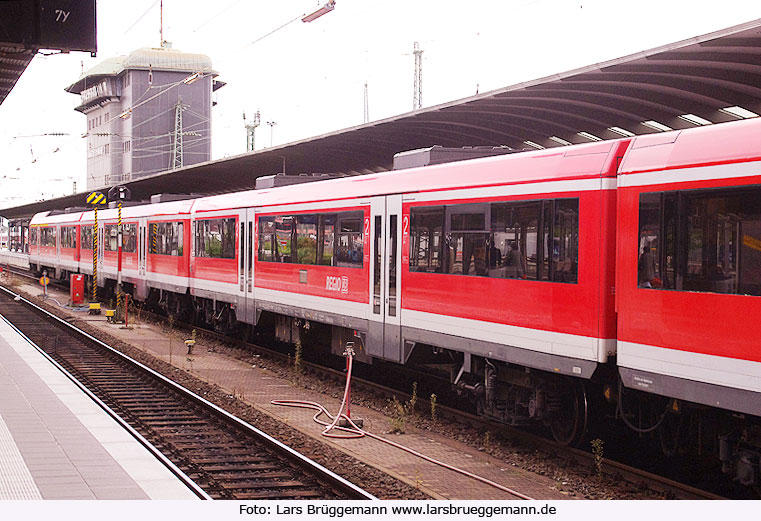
<point>177,153</point>
<point>251,129</point>
<point>417,95</point>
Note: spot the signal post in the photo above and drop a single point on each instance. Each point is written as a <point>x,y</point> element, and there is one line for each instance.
<point>95,200</point>
<point>120,193</point>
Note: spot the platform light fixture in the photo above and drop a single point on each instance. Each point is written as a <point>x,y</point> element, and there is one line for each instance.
<point>325,9</point>
<point>695,120</point>
<point>560,141</point>
<point>660,127</point>
<point>621,131</point>
<point>591,137</point>
<point>739,112</point>
<point>534,145</point>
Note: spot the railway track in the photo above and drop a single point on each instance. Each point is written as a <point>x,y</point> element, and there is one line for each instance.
<point>224,456</point>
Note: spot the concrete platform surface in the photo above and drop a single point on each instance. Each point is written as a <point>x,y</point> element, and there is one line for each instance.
<point>56,443</point>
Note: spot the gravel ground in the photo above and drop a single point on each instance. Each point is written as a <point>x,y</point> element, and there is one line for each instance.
<point>571,477</point>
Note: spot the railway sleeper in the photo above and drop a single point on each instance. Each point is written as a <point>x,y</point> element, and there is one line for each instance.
<point>264,484</point>
<point>230,478</point>
<point>284,494</point>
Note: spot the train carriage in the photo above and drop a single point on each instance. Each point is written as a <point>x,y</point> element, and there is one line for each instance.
<point>54,243</point>
<point>690,206</point>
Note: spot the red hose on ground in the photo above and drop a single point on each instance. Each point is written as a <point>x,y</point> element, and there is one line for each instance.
<point>357,432</point>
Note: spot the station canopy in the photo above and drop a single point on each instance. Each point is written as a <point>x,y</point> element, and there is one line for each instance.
<point>26,26</point>
<point>705,80</point>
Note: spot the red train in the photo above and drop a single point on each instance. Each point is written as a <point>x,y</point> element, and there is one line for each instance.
<point>538,280</point>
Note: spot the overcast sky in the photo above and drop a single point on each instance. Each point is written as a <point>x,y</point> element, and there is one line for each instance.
<point>309,78</point>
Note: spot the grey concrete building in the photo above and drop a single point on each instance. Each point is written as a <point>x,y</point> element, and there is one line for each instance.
<point>147,112</point>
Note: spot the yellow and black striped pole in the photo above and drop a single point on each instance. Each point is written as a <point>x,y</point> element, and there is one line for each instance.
<point>154,239</point>
<point>119,273</point>
<point>95,257</point>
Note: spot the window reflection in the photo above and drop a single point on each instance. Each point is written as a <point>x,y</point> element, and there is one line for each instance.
<point>535,240</point>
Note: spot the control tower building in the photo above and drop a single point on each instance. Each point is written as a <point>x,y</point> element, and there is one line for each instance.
<point>147,112</point>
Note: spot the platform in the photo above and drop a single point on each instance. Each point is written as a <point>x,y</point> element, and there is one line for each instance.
<point>56,443</point>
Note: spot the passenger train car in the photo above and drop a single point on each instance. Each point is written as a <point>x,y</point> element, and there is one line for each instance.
<point>539,281</point>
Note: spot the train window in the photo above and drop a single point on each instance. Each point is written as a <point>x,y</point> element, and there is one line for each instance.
<point>111,237</point>
<point>564,241</point>
<point>306,239</point>
<point>284,232</point>
<point>536,240</point>
<point>378,262</point>
<point>349,247</point>
<point>241,255</point>
<point>392,236</point>
<point>69,237</point>
<point>33,236</point>
<point>267,239</point>
<point>48,237</point>
<point>250,251</point>
<point>327,239</point>
<point>164,238</point>
<point>276,234</point>
<point>327,236</point>
<point>129,238</point>
<point>648,262</point>
<point>466,238</point>
<point>426,238</point>
<point>701,240</point>
<point>215,238</point>
<point>86,238</point>
<point>515,240</point>
<point>110,232</point>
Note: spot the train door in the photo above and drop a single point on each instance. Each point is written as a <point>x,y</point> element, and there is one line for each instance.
<point>99,261</point>
<point>141,285</point>
<point>384,334</point>
<point>377,248</point>
<point>244,311</point>
<point>58,239</point>
<point>192,262</point>
<point>250,252</point>
<point>392,348</point>
<point>142,248</point>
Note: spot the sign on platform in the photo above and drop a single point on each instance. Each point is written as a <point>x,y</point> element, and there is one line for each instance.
<point>44,281</point>
<point>96,199</point>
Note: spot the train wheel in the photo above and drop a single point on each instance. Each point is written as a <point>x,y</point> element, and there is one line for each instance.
<point>569,420</point>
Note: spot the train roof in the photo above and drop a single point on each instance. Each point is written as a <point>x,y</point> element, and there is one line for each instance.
<point>43,218</point>
<point>143,210</point>
<point>128,212</point>
<point>708,145</point>
<point>585,161</point>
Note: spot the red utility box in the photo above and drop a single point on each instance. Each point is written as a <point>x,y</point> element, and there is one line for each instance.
<point>77,289</point>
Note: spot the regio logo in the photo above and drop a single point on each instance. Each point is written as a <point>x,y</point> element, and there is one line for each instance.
<point>339,284</point>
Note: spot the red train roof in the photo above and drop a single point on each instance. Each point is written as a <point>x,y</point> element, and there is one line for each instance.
<point>573,162</point>
<point>709,145</point>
